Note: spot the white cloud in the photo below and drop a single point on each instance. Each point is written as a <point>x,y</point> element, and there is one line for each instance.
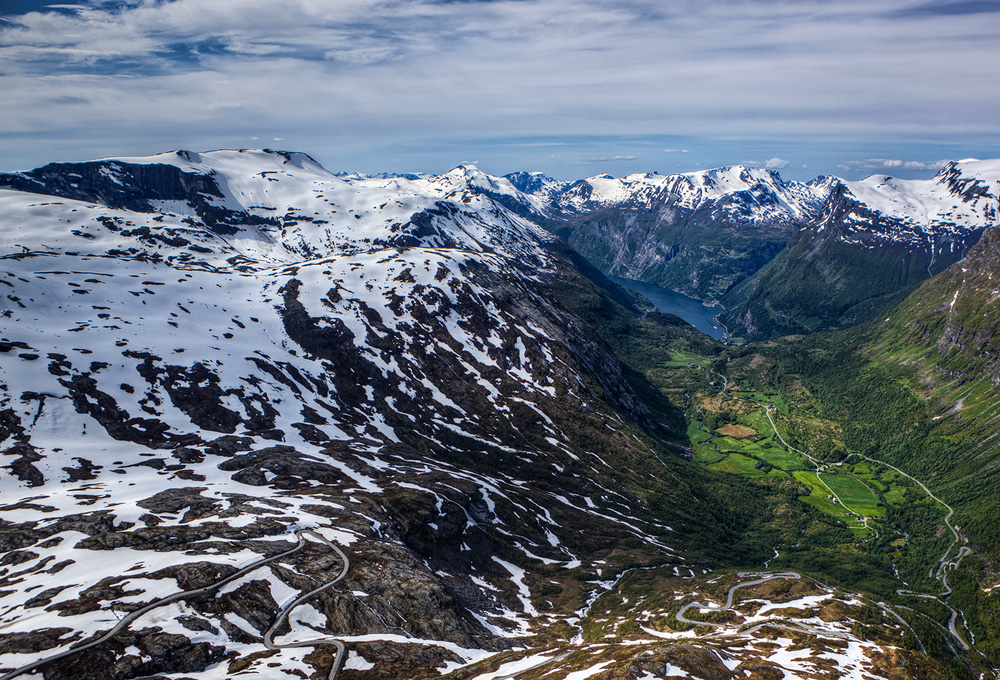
<point>770,164</point>
<point>606,159</point>
<point>354,76</point>
<point>873,164</point>
<point>362,56</point>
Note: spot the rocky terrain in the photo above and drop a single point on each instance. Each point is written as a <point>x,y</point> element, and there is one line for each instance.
<point>203,356</point>
<point>871,242</point>
<point>203,353</point>
<point>780,257</point>
<point>700,233</point>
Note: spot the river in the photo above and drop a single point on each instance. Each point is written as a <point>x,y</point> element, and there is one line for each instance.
<point>695,312</point>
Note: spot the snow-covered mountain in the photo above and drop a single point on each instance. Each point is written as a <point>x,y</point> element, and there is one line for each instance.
<point>737,193</point>
<point>700,232</point>
<point>269,207</point>
<point>204,353</point>
<point>870,241</point>
<point>962,199</point>
<point>252,411</point>
<point>724,234</point>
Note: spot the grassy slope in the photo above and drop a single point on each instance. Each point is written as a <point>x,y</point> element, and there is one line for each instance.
<point>934,415</point>
<point>730,525</point>
<point>880,390</point>
<point>821,284</point>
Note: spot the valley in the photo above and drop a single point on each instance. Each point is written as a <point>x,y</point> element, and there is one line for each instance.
<point>701,316</point>
<point>258,419</point>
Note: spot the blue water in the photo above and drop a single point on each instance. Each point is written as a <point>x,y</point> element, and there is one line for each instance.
<point>695,312</point>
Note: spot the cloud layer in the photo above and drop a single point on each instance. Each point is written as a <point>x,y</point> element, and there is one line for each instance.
<point>358,82</point>
<point>891,165</point>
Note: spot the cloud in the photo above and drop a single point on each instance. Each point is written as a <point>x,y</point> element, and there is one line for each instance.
<point>770,164</point>
<point>359,79</point>
<point>362,56</point>
<point>874,164</point>
<point>606,159</point>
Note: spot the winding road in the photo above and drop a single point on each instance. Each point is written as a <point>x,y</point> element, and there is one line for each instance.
<point>943,564</point>
<point>286,610</point>
<point>819,465</point>
<point>763,578</point>
<point>268,635</point>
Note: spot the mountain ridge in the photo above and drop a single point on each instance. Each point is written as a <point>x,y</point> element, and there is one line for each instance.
<point>186,385</point>
<point>407,367</point>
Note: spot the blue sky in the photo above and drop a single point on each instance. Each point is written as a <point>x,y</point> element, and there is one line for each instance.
<point>569,87</point>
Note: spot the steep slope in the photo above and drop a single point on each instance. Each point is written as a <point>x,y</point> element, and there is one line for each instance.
<point>252,412</point>
<point>872,242</point>
<point>947,334</point>
<point>205,353</point>
<point>917,389</point>
<point>955,314</point>
<point>699,233</point>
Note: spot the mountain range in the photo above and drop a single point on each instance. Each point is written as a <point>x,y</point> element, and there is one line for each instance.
<point>207,356</point>
<point>780,257</point>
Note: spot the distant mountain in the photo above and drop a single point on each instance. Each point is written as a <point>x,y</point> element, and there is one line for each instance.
<point>257,418</point>
<point>781,257</point>
<point>871,242</point>
<point>699,233</point>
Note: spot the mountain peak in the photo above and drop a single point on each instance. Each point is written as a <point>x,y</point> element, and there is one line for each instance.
<point>465,169</point>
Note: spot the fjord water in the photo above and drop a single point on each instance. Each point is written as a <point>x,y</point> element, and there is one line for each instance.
<point>695,312</point>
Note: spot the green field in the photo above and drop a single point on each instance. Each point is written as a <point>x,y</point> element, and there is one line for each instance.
<point>858,494</point>
<point>733,445</point>
<point>741,465</point>
<point>786,460</point>
<point>820,499</point>
<point>855,495</point>
<point>707,455</point>
<point>894,495</point>
<point>682,359</point>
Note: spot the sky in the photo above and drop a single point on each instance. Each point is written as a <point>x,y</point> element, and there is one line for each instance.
<point>572,88</point>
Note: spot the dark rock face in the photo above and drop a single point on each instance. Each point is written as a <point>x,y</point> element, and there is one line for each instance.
<point>159,653</point>
<point>114,184</point>
<point>22,467</point>
<point>132,186</point>
<point>846,268</point>
<point>196,391</point>
<point>684,233</point>
<point>419,395</point>
<point>35,641</point>
<point>668,247</point>
<point>105,410</point>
